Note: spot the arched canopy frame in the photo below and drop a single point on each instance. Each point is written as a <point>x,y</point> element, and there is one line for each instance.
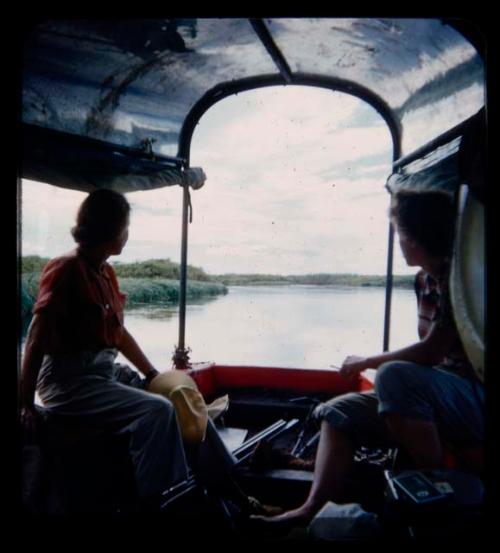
<point>224,90</point>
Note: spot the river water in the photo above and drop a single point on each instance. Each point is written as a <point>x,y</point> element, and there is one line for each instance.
<point>283,326</point>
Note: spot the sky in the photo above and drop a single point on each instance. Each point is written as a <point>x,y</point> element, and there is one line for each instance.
<point>295,185</point>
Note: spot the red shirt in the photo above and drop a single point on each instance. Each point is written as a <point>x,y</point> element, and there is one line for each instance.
<point>84,304</point>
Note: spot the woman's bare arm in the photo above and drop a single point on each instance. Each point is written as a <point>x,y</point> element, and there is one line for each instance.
<point>34,351</point>
<point>429,351</point>
<point>131,350</point>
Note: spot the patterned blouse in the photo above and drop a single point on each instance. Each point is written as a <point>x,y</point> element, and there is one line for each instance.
<point>434,307</point>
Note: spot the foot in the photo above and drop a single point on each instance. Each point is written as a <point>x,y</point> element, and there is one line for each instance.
<point>259,509</point>
<point>266,456</point>
<point>280,525</point>
<point>297,517</point>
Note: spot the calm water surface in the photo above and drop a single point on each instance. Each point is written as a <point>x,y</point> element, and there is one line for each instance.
<point>287,326</point>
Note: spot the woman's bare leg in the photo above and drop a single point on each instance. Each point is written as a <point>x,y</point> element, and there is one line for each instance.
<point>334,459</point>
<point>419,437</point>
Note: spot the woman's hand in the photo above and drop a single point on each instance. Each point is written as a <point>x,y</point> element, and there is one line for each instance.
<point>151,374</point>
<point>353,365</point>
<point>131,350</point>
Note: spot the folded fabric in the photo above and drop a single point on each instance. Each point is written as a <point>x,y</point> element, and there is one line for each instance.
<point>190,407</point>
<point>218,406</point>
<point>344,522</point>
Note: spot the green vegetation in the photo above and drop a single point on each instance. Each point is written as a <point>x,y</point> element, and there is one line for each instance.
<point>319,279</point>
<point>33,264</point>
<point>154,291</point>
<point>29,291</point>
<point>157,268</point>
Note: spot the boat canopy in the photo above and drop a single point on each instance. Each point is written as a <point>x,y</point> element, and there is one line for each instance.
<point>437,170</point>
<point>450,164</point>
<point>141,85</point>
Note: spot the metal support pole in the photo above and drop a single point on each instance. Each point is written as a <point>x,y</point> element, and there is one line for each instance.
<point>388,288</point>
<point>181,358</point>
<point>396,139</point>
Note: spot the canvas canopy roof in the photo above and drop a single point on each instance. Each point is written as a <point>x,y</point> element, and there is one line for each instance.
<point>142,85</point>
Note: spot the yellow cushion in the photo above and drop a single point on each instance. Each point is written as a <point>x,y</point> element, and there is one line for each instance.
<point>190,407</point>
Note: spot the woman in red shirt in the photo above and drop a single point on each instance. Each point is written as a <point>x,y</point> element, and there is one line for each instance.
<point>74,338</point>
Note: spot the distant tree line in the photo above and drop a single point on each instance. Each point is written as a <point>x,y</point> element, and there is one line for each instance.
<point>318,279</point>
<point>166,269</point>
<point>158,268</point>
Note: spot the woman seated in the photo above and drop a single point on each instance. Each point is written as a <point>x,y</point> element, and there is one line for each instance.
<point>75,335</point>
<point>426,394</point>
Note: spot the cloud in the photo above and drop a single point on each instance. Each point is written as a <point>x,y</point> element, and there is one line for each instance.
<point>157,206</point>
<point>291,188</point>
<point>262,141</point>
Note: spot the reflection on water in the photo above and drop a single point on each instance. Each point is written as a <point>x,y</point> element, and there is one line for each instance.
<point>291,326</point>
<point>151,312</point>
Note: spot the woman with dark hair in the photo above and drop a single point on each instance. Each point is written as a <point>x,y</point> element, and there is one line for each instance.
<point>426,394</point>
<point>100,218</point>
<point>72,343</point>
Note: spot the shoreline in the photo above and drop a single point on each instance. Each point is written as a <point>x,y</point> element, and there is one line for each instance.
<point>402,285</point>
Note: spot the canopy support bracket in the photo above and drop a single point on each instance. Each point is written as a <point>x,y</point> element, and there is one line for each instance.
<point>267,40</point>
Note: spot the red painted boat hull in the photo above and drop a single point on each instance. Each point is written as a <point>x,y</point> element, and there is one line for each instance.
<point>210,377</point>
